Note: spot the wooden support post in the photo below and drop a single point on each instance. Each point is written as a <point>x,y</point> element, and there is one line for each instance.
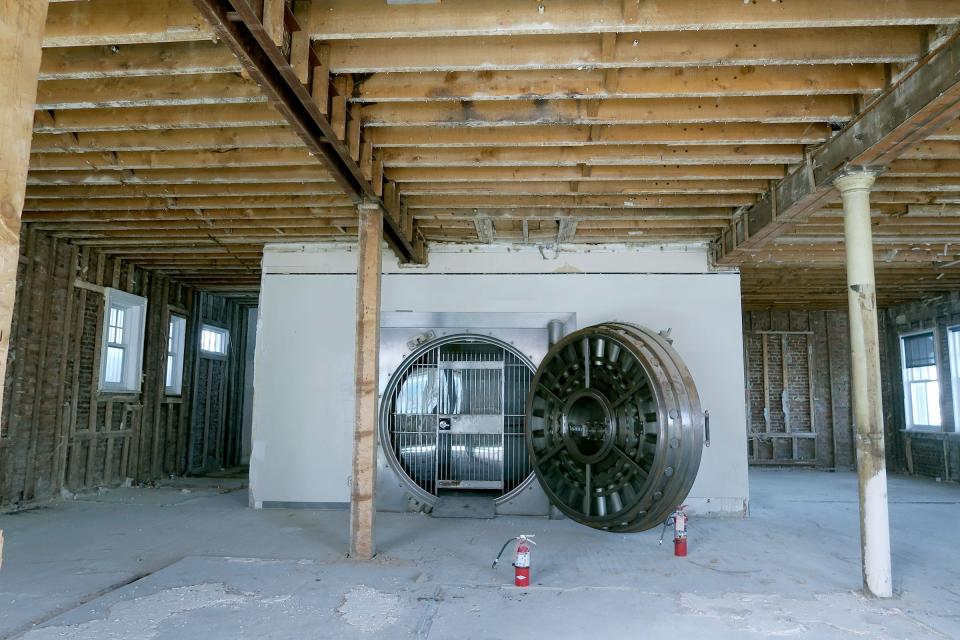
<point>865,382</point>
<point>362,504</point>
<point>21,36</point>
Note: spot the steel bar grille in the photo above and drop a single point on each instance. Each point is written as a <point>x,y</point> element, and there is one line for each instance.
<point>456,418</point>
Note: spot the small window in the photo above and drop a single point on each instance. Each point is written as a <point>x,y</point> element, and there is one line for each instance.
<point>921,384</point>
<point>214,340</point>
<point>175,340</point>
<point>121,357</point>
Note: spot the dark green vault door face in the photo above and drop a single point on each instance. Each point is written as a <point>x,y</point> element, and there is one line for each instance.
<point>614,427</point>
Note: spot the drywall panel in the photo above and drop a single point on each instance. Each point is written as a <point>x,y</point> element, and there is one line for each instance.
<point>303,402</point>
<point>303,406</point>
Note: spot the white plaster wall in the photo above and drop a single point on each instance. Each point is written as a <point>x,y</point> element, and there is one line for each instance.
<point>303,406</point>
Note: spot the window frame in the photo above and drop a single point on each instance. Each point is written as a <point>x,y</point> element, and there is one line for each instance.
<point>953,353</point>
<point>176,349</point>
<point>907,395</point>
<point>222,355</point>
<point>132,341</point>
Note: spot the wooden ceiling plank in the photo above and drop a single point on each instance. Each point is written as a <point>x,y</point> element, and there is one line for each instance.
<point>354,19</point>
<point>136,60</point>
<point>576,201</point>
<point>177,190</point>
<point>158,118</point>
<point>551,173</point>
<point>630,187</point>
<point>899,44</point>
<point>222,138</point>
<point>170,159</point>
<point>189,203</point>
<point>675,82</point>
<point>559,135</point>
<point>597,155</point>
<point>771,109</point>
<point>553,213</point>
<point>188,215</point>
<point>105,22</point>
<point>150,91</point>
<point>219,176</point>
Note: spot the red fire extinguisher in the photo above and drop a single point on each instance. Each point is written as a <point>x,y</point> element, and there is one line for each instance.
<point>679,521</point>
<point>521,559</point>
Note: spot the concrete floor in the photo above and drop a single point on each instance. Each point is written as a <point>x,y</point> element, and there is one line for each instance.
<point>162,563</point>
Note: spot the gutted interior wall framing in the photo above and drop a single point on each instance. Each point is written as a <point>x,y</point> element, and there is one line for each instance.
<point>931,451</point>
<point>59,430</point>
<point>216,435</point>
<point>805,421</point>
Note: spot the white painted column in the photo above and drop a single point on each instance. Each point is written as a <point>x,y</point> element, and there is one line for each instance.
<point>865,383</point>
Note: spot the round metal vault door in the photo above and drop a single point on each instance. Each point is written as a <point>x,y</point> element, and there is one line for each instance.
<point>614,427</point>
<point>452,418</point>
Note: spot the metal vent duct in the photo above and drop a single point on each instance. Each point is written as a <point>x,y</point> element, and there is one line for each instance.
<point>615,429</point>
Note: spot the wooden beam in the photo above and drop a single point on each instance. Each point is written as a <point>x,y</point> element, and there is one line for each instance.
<point>916,105</point>
<point>842,45</point>
<point>221,139</point>
<point>206,88</point>
<point>226,175</point>
<point>665,201</point>
<point>171,159</point>
<point>567,229</point>
<point>597,135</point>
<point>557,188</point>
<point>549,173</point>
<point>591,155</point>
<point>769,109</point>
<point>106,22</point>
<point>363,486</point>
<point>158,118</point>
<point>184,191</point>
<point>667,82</point>
<point>163,59</point>
<point>485,230</point>
<point>21,33</point>
<point>356,19</point>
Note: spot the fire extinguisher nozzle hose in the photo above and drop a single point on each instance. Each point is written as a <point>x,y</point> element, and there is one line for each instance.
<point>502,549</point>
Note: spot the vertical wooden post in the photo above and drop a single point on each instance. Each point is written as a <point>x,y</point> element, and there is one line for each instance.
<point>865,379</point>
<point>362,504</point>
<point>21,38</point>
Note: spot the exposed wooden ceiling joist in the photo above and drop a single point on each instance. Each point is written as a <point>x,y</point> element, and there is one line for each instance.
<point>260,54</point>
<point>356,19</point>
<point>611,121</point>
<point>918,104</point>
